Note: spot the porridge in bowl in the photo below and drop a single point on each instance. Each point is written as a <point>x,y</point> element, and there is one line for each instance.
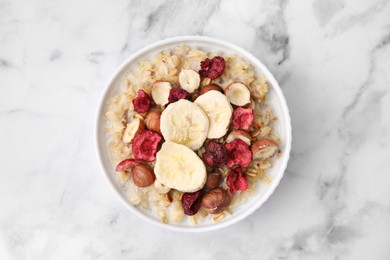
<point>191,134</point>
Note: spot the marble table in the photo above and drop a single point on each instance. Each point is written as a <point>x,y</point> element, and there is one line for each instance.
<point>332,59</point>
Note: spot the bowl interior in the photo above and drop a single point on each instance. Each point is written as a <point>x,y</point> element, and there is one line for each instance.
<point>275,99</point>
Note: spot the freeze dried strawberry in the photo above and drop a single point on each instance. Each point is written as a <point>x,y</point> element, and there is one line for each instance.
<point>242,118</point>
<point>212,68</point>
<point>142,102</point>
<point>191,203</point>
<point>127,164</point>
<point>215,155</point>
<point>177,93</point>
<point>239,153</point>
<point>236,181</point>
<point>145,145</point>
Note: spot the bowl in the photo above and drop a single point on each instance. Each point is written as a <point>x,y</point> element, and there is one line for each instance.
<point>275,99</point>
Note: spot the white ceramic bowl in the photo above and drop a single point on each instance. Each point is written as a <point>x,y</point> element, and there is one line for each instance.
<point>275,99</point>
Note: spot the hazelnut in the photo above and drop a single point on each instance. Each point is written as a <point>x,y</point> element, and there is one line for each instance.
<point>213,181</point>
<point>133,128</point>
<point>238,94</point>
<point>211,87</point>
<point>216,201</point>
<point>257,125</point>
<point>239,134</point>
<point>263,149</point>
<point>143,175</point>
<point>153,120</point>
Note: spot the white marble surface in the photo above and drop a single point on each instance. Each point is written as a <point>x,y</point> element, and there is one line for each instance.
<point>332,59</point>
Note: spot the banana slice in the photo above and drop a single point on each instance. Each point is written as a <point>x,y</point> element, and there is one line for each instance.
<point>178,167</point>
<point>219,111</point>
<point>189,80</point>
<point>184,122</point>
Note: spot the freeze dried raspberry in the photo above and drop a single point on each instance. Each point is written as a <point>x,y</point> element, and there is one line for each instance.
<point>212,68</point>
<point>242,118</point>
<point>191,203</point>
<point>215,155</point>
<point>142,102</point>
<point>236,181</point>
<point>127,164</point>
<point>239,153</point>
<point>177,93</point>
<point>145,145</point>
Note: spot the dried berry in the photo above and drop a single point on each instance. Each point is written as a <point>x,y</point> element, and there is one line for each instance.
<point>239,153</point>
<point>191,202</point>
<point>212,68</point>
<point>145,145</point>
<point>142,102</point>
<point>236,181</point>
<point>177,93</point>
<point>215,155</point>
<point>242,118</point>
<point>127,164</point>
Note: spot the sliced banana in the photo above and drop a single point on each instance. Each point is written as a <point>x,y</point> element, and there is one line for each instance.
<point>160,92</point>
<point>178,167</point>
<point>189,80</point>
<point>184,122</point>
<point>218,110</point>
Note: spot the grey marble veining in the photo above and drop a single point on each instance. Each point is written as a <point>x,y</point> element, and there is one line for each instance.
<point>332,59</point>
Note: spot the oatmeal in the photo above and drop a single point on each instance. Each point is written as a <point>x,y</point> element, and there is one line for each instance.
<point>191,134</point>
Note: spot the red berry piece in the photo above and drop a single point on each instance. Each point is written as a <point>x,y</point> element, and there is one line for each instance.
<point>243,118</point>
<point>191,203</point>
<point>236,181</point>
<point>239,153</point>
<point>215,155</point>
<point>212,68</point>
<point>127,164</point>
<point>176,94</point>
<point>145,145</point>
<point>142,102</point>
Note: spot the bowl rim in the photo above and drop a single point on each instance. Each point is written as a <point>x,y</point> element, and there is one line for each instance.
<point>268,75</point>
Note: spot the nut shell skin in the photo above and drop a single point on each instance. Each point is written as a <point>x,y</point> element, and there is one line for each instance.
<point>211,87</point>
<point>239,134</point>
<point>261,144</point>
<point>213,181</point>
<point>152,121</point>
<point>143,175</point>
<point>216,201</point>
<point>264,148</point>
